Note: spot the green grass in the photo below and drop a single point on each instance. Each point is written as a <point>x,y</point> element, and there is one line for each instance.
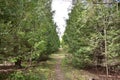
<point>46,68</point>
<point>72,73</point>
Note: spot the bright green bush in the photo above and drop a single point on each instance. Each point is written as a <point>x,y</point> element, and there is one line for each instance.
<point>19,75</point>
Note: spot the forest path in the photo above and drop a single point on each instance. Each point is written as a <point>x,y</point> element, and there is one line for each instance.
<point>58,71</point>
<point>62,71</point>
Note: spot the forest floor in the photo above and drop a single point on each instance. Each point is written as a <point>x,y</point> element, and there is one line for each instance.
<point>55,68</point>
<point>63,71</point>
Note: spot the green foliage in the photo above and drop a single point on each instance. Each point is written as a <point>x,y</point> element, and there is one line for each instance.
<point>27,32</point>
<point>26,29</point>
<point>19,75</point>
<point>85,33</point>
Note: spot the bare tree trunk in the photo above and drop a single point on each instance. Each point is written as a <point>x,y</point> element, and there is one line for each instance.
<point>105,35</point>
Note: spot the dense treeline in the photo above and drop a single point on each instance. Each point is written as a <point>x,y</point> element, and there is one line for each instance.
<point>92,34</point>
<point>27,31</point>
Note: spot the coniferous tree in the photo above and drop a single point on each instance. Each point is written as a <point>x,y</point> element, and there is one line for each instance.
<point>26,28</point>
